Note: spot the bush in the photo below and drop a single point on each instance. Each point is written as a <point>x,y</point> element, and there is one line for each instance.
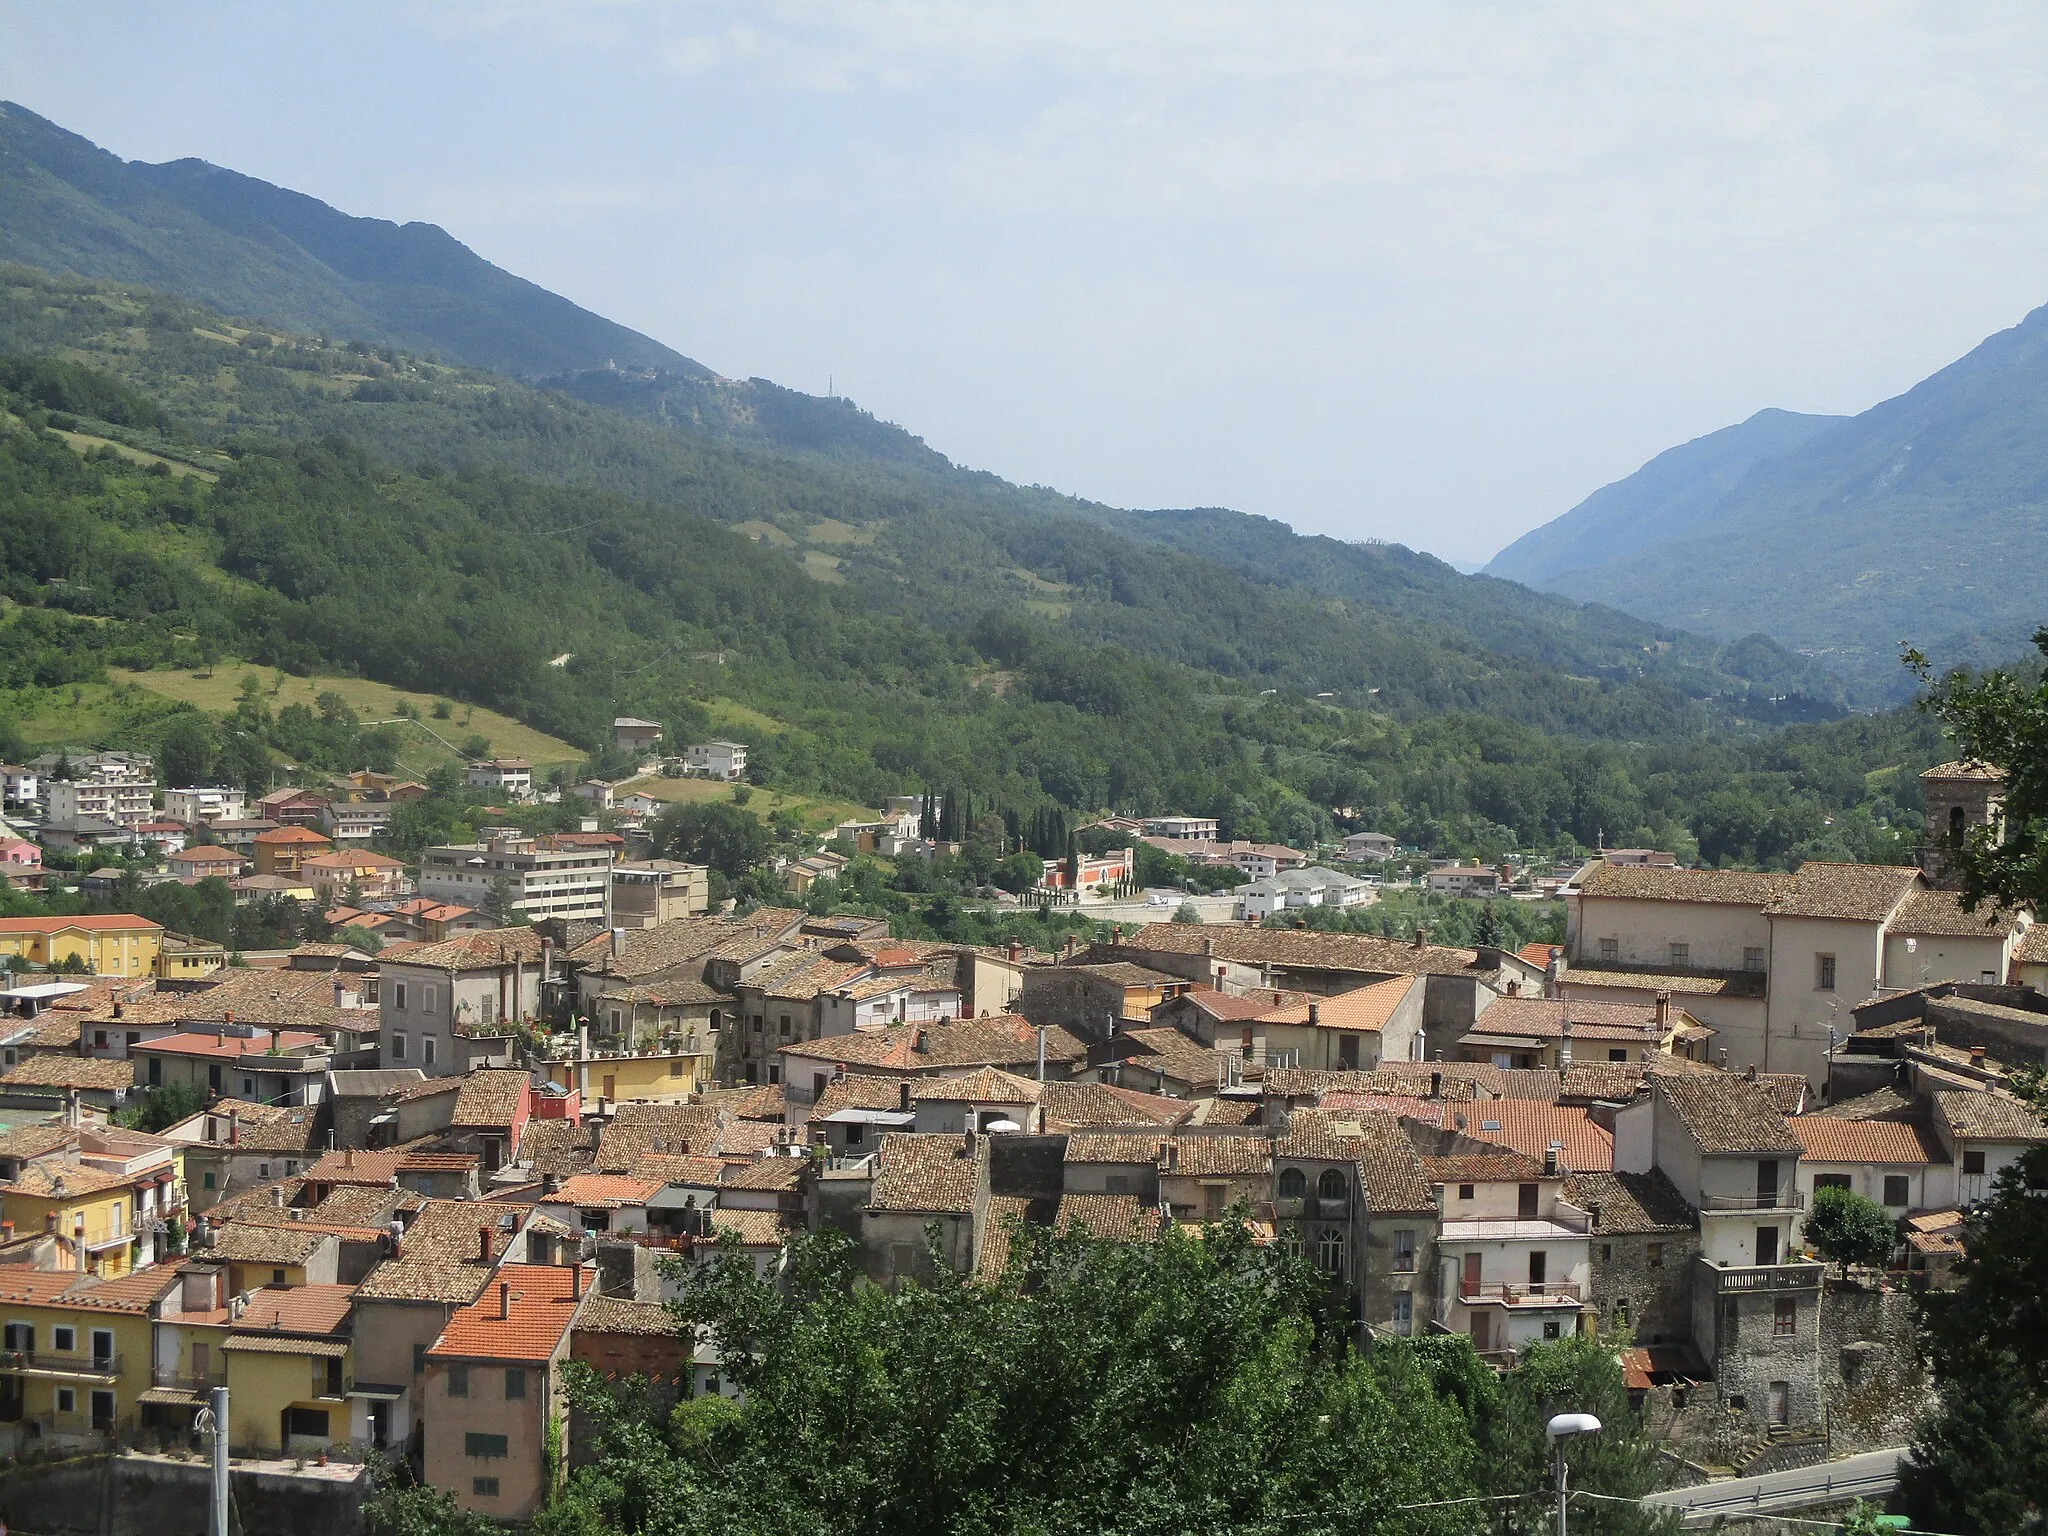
<point>1847,1228</point>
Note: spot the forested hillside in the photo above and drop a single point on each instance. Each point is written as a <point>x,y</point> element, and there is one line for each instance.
<point>175,488</point>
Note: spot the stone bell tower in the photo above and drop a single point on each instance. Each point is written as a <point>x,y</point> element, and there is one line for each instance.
<point>1961,797</point>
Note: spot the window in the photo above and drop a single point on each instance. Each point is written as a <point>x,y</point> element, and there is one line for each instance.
<point>419,1358</point>
<point>427,1051</point>
<point>484,1009</point>
<point>426,999</point>
<point>1895,1189</point>
<point>1767,1245</point>
<point>1752,958</point>
<point>1681,955</point>
<point>458,1381</point>
<point>398,996</point>
<point>486,1446</point>
<point>782,1026</point>
<point>515,1381</point>
<point>1330,1250</point>
<point>1831,1181</point>
<point>67,1400</point>
<point>1610,949</point>
<point>1607,1253</point>
<point>1464,1191</point>
<point>277,1277</point>
<point>1824,972</point>
<point>484,1487</point>
<point>311,1423</point>
<point>1404,1251</point>
<point>857,1134</point>
<point>1551,1329</point>
<point>1653,1255</point>
<point>1973,1162</point>
<point>1621,1311</point>
<point>1525,1202</point>
<point>102,1344</point>
<point>1785,1317</point>
<point>21,1338</point>
<point>1617,1053</point>
<point>1331,1186</point>
<point>1404,1311</point>
<point>397,1047</point>
<point>248,1087</point>
<point>675,1067</point>
<point>64,1340</point>
<point>208,1181</point>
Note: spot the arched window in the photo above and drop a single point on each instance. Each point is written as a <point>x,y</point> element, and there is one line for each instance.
<point>1293,1184</point>
<point>1330,1250</point>
<point>1955,821</point>
<point>1331,1185</point>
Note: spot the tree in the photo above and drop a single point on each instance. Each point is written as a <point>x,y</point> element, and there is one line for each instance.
<point>1018,873</point>
<point>1847,1228</point>
<point>2000,718</point>
<point>725,836</point>
<point>1980,1462</point>
<point>185,750</point>
<point>151,1109</point>
<point>361,938</point>
<point>1487,933</point>
<point>1187,912</point>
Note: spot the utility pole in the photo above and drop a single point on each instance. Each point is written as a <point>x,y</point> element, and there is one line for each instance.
<point>217,1508</point>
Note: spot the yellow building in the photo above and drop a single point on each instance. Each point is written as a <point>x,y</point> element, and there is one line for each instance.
<point>626,1077</point>
<point>290,1368</point>
<point>182,958</point>
<point>109,944</point>
<point>88,1208</point>
<point>75,1352</point>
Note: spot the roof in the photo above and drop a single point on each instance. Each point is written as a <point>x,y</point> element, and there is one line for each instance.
<point>1988,1116</point>
<point>770,1173</point>
<point>1663,882</point>
<point>1630,1202</point>
<point>308,1309</point>
<point>485,949</point>
<point>283,1344</point>
<point>1124,973</point>
<point>754,1229</point>
<point>1390,1174</point>
<point>557,1146</point>
<point>923,1173</point>
<point>1483,1168</point>
<point>1220,1156</point>
<point>277,836</point>
<point>539,1302</point>
<point>988,1085</point>
<point>1728,1114</point>
<point>1362,1008</point>
<point>1964,768</point>
<point>1701,983</point>
<point>202,1043</point>
<point>1303,948</point>
<point>1122,1217</point>
<point>608,1191</point>
<point>1530,1126</point>
<point>133,1292</point>
<point>1832,1139</point>
<point>640,1128</point>
<point>95,922</point>
<point>438,1260</point>
<point>1128,1147</point>
<point>1867,893</point>
<point>243,1242</point>
<point>1001,1040</point>
<point>617,1314</point>
<point>1940,914</point>
<point>490,1098</point>
<point>52,1071</point>
<point>1072,1106</point>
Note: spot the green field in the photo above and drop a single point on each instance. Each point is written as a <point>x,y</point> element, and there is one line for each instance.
<point>817,813</point>
<point>219,691</point>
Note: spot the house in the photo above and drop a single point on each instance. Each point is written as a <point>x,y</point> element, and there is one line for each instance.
<point>77,1355</point>
<point>56,1079</point>
<point>291,806</point>
<point>1515,1255</point>
<point>716,759</point>
<point>288,1360</point>
<point>511,776</point>
<point>254,888</point>
<point>439,1003</point>
<point>18,785</point>
<point>803,873</point>
<point>98,1200</point>
<point>523,875</point>
<point>1310,887</point>
<point>635,738</point>
<point>1981,1134</point>
<point>205,862</point>
<point>1180,829</point>
<point>357,821</point>
<point>197,806</point>
<point>493,1390</point>
<point>922,1184</point>
<point>430,921</point>
<point>601,793</point>
<point>1092,1000</point>
<point>1257,860</point>
<point>268,1066</point>
<point>127,802</point>
<point>235,1145</point>
<point>283,850</point>
<point>369,876</point>
<point>1729,1152</point>
<point>649,892</point>
<point>1884,1160</point>
<point>185,958</point>
<point>1369,845</point>
<point>106,944</point>
<point>1465,880</point>
<point>21,863</point>
<point>1518,1033</point>
<point>165,836</point>
<point>1353,1031</point>
<point>84,833</point>
<point>1245,959</point>
<point>1084,872</point>
<point>239,835</point>
<point>1774,963</point>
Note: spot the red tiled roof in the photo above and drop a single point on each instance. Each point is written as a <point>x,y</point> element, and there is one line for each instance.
<point>92,922</point>
<point>539,1303</point>
<point>200,1044</point>
<point>1830,1139</point>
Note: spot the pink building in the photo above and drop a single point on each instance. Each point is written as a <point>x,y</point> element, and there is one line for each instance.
<point>22,863</point>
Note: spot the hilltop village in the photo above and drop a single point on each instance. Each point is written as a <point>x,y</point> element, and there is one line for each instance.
<point>397,1184</point>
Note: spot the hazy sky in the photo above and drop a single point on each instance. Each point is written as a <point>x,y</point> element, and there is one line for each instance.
<point>1420,272</point>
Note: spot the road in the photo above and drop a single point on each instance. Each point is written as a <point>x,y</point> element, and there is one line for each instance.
<point>1870,1476</point>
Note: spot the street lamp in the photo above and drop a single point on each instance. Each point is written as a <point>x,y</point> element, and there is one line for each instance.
<point>1560,1429</point>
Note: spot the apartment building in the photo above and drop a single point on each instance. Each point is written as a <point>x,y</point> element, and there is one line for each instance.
<point>572,883</point>
<point>122,802</point>
<point>204,803</point>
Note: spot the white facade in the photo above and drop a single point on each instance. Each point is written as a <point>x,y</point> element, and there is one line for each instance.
<point>1182,828</point>
<point>1312,887</point>
<point>205,803</point>
<point>511,775</point>
<point>124,803</point>
<point>570,883</point>
<point>716,759</point>
<point>1465,880</point>
<point>1368,845</point>
<point>356,821</point>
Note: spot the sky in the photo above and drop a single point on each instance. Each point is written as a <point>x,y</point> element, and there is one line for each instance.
<point>1429,273</point>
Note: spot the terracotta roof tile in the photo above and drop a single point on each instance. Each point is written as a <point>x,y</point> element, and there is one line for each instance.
<point>1530,1127</point>
<point>1075,1106</point>
<point>1941,914</point>
<point>1988,1116</point>
<point>1728,1114</point>
<point>1631,1202</point>
<point>1222,1155</point>
<point>52,1071</point>
<point>1867,893</point>
<point>1302,948</point>
<point>989,1085</point>
<point>539,1302</point>
<point>485,949</point>
<point>1123,1147</point>
<point>1831,1139</point>
<point>1121,1217</point>
<point>923,1173</point>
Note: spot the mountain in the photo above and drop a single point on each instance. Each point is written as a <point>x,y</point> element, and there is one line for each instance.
<point>1673,495</point>
<point>1917,520</point>
<point>248,248</point>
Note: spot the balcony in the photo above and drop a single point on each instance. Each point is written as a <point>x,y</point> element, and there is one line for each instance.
<point>1796,1276</point>
<point>22,1362</point>
<point>189,1381</point>
<point>1486,1293</point>
<point>1783,1200</point>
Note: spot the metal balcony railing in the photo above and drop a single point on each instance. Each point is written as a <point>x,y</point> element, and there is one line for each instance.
<point>60,1365</point>
<point>1782,1200</point>
<point>1546,1294</point>
<point>1796,1276</point>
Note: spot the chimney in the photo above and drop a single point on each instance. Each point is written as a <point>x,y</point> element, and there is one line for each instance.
<point>903,1097</point>
<point>1663,1014</point>
<point>1551,1155</point>
<point>234,1127</point>
<point>1301,925</point>
<point>968,1143</point>
<point>1593,1212</point>
<point>1723,1054</point>
<point>575,1282</point>
<point>1016,950</point>
<point>1436,1085</point>
<point>1209,948</point>
<point>397,1234</point>
<point>1977,1056</point>
<point>49,1221</point>
<point>1749,1073</point>
<point>504,1301</point>
<point>277,1196</point>
<point>348,1157</point>
<point>1315,1015</point>
<point>117,1008</point>
<point>483,1242</point>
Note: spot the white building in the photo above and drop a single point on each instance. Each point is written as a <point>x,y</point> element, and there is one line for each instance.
<point>1368,845</point>
<point>19,786</point>
<point>124,803</point>
<point>1311,887</point>
<point>716,759</point>
<point>1465,880</point>
<point>512,775</point>
<point>205,803</point>
<point>356,821</point>
<point>1516,1255</point>
<point>1182,828</point>
<point>540,882</point>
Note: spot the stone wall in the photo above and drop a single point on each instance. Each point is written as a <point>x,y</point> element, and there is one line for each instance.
<point>1656,1287</point>
<point>133,1495</point>
<point>1871,1376</point>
